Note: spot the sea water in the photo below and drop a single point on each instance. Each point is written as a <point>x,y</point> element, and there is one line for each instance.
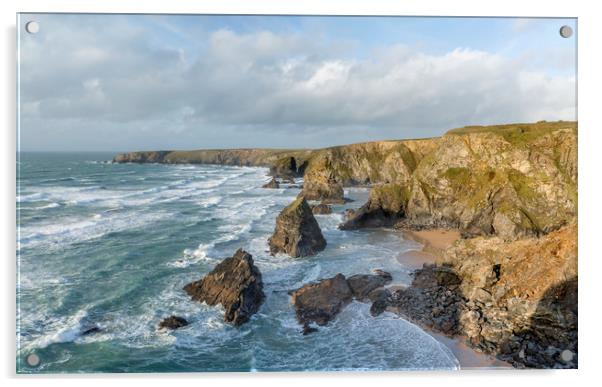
<point>112,245</point>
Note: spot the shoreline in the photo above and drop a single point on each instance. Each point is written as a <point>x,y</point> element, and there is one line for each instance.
<point>434,243</point>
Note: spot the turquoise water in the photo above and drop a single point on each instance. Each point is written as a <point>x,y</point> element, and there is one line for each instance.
<point>112,245</point>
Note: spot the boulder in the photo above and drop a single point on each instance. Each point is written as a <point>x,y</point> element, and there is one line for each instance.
<point>362,285</point>
<point>308,330</point>
<point>271,184</point>
<point>235,283</point>
<point>385,274</point>
<point>90,329</point>
<point>378,307</point>
<point>432,276</point>
<point>320,302</point>
<point>321,209</point>
<point>349,212</point>
<point>173,322</point>
<point>297,232</point>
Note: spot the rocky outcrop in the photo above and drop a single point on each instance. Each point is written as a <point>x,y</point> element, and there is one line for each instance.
<point>271,184</point>
<point>320,183</point>
<point>509,181</point>
<point>522,296</point>
<point>141,157</point>
<point>320,302</point>
<point>517,299</point>
<point>321,209</point>
<point>235,283</point>
<point>433,301</point>
<point>234,157</point>
<point>385,207</point>
<point>297,232</point>
<point>173,322</point>
<point>362,285</point>
<point>285,167</point>
<point>366,163</point>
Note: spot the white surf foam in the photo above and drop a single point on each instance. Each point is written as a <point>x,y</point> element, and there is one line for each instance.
<point>65,330</point>
<point>55,233</point>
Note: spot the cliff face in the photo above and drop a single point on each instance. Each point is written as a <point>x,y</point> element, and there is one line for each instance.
<point>361,164</point>
<point>514,299</point>
<point>371,162</point>
<point>486,183</point>
<point>236,157</point>
<point>510,181</point>
<point>521,295</point>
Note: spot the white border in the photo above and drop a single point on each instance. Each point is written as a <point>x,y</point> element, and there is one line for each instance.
<point>590,165</point>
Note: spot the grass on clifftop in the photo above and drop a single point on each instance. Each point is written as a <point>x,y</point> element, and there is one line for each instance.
<point>518,133</point>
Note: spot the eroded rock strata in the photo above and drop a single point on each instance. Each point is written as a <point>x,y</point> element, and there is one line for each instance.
<point>235,283</point>
<point>297,232</point>
<point>510,181</point>
<point>516,300</point>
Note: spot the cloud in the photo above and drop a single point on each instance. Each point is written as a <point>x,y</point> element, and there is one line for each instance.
<point>113,79</point>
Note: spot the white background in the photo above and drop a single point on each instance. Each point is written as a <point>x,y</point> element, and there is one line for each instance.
<point>590,167</point>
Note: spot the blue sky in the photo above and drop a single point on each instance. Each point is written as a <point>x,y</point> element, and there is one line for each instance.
<point>129,82</point>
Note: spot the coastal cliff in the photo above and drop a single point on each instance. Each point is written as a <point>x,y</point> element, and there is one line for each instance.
<point>516,300</point>
<point>510,284</point>
<point>511,181</point>
<point>235,157</point>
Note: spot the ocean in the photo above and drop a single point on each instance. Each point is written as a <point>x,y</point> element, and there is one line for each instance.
<point>112,245</point>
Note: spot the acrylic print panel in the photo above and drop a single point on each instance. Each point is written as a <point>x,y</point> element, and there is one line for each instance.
<point>295,193</point>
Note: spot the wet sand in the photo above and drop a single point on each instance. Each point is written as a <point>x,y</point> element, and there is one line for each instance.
<point>435,242</point>
<point>468,357</point>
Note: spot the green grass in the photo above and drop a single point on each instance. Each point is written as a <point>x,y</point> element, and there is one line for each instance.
<point>518,134</point>
<point>523,185</point>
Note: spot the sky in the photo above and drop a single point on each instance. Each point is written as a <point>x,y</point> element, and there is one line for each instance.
<point>161,82</point>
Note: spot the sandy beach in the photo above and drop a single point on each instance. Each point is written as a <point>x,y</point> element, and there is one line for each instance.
<point>434,243</point>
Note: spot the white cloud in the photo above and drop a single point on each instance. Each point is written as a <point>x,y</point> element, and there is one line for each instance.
<point>289,86</point>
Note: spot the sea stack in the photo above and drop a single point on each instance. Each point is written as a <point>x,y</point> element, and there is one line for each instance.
<point>297,232</point>
<point>235,283</point>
